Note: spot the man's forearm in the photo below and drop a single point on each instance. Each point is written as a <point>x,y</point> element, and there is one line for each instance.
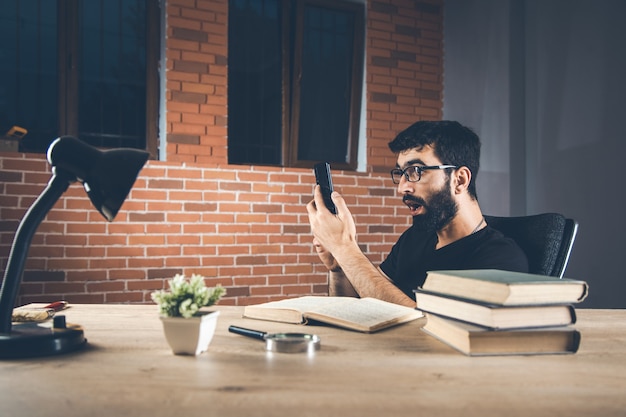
<point>366,279</point>
<point>339,285</point>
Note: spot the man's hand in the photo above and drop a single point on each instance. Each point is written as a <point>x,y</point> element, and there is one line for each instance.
<point>331,232</point>
<point>326,257</point>
<point>335,242</point>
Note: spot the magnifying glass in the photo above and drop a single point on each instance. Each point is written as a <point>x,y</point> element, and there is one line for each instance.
<point>282,342</point>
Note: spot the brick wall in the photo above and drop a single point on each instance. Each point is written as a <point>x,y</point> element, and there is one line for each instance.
<point>244,227</point>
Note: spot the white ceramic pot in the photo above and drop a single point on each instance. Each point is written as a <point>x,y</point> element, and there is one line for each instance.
<point>190,336</point>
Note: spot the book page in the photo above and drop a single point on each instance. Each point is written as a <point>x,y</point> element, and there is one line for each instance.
<point>288,310</point>
<point>365,314</point>
<point>302,304</point>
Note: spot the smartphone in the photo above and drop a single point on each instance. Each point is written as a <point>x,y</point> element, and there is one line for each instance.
<point>323,178</point>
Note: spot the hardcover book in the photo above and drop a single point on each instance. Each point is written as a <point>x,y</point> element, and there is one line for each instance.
<point>474,340</point>
<point>495,316</point>
<point>505,288</point>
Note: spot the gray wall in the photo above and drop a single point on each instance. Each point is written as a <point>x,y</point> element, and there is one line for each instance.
<point>543,82</point>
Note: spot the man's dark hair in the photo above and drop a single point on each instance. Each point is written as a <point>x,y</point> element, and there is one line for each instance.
<point>453,144</point>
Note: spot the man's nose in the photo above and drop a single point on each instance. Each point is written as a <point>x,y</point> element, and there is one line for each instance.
<point>405,186</point>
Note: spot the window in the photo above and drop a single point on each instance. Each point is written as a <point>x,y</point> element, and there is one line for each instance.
<point>81,68</point>
<point>294,82</point>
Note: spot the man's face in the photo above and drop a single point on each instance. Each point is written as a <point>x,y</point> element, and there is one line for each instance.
<point>429,200</point>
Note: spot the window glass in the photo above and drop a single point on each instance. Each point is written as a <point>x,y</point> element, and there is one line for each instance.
<point>294,82</point>
<point>112,86</point>
<point>326,82</point>
<point>255,82</point>
<point>78,68</point>
<point>28,70</point>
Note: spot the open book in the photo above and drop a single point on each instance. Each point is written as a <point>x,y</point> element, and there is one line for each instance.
<point>361,314</point>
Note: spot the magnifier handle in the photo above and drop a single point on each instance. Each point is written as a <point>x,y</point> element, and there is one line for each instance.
<point>255,334</point>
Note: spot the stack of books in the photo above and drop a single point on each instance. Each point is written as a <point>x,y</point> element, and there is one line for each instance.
<point>494,312</point>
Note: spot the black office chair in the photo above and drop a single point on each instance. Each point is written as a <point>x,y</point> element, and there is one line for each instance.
<point>547,239</point>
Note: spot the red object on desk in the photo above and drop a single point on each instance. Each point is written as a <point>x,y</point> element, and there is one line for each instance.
<point>57,305</point>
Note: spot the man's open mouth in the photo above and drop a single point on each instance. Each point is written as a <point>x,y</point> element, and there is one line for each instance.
<point>414,206</point>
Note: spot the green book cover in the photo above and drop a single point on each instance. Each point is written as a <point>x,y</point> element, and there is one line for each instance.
<point>505,287</point>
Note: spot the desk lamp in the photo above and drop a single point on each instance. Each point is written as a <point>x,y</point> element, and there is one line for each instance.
<point>107,177</point>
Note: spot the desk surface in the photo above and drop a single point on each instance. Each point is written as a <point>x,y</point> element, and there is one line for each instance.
<point>127,369</point>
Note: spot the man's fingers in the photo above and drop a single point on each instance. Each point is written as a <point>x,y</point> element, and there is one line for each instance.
<point>340,203</point>
<point>311,207</point>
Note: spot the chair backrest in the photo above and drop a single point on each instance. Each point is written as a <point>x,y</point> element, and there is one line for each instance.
<point>547,239</point>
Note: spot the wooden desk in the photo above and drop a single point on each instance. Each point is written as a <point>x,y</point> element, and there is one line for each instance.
<point>128,370</point>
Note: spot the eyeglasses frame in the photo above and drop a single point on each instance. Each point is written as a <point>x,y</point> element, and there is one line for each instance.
<point>419,169</point>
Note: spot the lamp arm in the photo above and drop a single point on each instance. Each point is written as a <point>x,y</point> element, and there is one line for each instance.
<point>57,185</point>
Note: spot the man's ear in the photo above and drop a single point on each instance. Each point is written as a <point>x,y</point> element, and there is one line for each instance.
<point>461,178</point>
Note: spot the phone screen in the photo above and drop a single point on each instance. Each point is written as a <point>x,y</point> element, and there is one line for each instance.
<point>323,178</point>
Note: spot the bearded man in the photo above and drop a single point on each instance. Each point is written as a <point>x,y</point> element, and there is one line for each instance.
<point>436,168</point>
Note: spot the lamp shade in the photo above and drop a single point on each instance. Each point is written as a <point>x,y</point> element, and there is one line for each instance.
<point>107,176</point>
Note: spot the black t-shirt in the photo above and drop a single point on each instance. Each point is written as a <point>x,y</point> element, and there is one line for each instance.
<point>414,254</point>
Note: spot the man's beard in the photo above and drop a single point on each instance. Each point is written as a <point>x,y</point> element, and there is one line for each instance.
<point>439,210</point>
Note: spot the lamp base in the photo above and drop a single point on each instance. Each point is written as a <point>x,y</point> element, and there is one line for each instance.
<point>28,340</point>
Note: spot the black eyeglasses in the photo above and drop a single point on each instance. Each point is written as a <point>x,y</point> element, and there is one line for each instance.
<point>413,173</point>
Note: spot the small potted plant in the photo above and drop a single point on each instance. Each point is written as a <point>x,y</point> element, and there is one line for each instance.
<point>187,328</point>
